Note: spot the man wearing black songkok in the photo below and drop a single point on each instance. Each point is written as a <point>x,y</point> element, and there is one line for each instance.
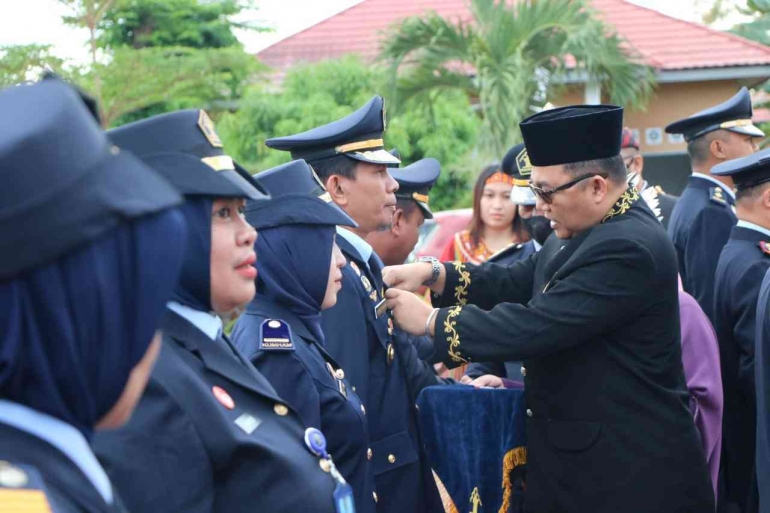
<point>594,317</point>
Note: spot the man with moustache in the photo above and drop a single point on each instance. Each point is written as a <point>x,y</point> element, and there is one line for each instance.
<point>595,319</point>
<point>349,158</point>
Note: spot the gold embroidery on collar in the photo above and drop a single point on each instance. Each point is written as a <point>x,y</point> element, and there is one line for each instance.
<point>461,290</point>
<point>452,336</point>
<point>628,198</point>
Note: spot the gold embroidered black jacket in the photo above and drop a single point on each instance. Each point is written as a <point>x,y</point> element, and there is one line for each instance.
<point>596,322</point>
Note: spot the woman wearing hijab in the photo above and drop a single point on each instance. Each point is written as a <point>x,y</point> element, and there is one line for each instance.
<point>92,255</point>
<point>280,332</point>
<point>211,434</point>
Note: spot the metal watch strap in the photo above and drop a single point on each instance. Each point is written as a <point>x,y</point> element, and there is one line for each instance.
<point>435,271</point>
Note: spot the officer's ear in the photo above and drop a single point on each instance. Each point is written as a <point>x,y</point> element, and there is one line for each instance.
<point>335,186</point>
<point>766,196</point>
<point>397,224</point>
<point>718,148</point>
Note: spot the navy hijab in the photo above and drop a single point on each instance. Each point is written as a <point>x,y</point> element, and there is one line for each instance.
<point>194,287</point>
<point>72,331</point>
<point>293,262</point>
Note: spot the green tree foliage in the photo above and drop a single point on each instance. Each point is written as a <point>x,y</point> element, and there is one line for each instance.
<point>152,75</point>
<point>19,63</point>
<point>188,23</point>
<point>138,83</point>
<point>444,126</point>
<point>758,27</point>
<point>510,56</point>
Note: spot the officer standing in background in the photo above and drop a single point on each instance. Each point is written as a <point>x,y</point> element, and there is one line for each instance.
<point>703,217</point>
<point>412,209</point>
<point>653,194</point>
<point>349,157</point>
<point>595,318</point>
<point>742,265</point>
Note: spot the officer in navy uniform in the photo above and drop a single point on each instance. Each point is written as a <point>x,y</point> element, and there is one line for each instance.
<point>393,247</point>
<point>762,380</point>
<point>594,316</point>
<point>742,265</point>
<point>92,253</point>
<point>349,157</point>
<point>280,332</point>
<point>516,163</point>
<point>415,181</point>
<point>211,434</point>
<point>704,215</point>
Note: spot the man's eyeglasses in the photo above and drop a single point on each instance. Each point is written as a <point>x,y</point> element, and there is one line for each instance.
<point>546,195</point>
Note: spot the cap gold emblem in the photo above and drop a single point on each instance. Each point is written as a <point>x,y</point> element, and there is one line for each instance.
<point>207,127</point>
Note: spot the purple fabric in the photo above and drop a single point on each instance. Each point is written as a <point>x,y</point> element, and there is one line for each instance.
<point>700,355</point>
<point>512,383</point>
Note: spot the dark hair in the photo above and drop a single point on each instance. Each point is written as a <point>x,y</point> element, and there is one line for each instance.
<point>339,165</point>
<point>407,205</point>
<point>476,226</point>
<point>613,166</point>
<point>699,149</point>
<point>750,192</point>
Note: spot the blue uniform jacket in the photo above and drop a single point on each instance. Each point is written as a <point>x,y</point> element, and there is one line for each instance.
<point>313,383</point>
<point>360,341</point>
<point>190,448</point>
<point>510,370</point>
<point>50,472</point>
<point>740,271</point>
<point>762,379</point>
<point>700,226</point>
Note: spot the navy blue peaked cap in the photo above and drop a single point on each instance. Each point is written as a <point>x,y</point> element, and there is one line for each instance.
<point>573,134</point>
<point>747,171</point>
<point>184,147</point>
<point>358,136</point>
<point>415,182</point>
<point>516,163</point>
<point>299,197</point>
<point>63,182</point>
<point>733,115</point>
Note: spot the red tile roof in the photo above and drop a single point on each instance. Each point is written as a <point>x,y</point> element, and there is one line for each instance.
<point>666,43</point>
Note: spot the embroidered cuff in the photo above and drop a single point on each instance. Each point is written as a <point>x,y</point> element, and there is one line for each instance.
<point>447,339</point>
<point>458,279</point>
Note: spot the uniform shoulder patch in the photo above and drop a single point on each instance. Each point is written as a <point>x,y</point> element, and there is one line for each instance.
<point>717,195</point>
<point>275,335</point>
<point>22,490</point>
<point>765,247</point>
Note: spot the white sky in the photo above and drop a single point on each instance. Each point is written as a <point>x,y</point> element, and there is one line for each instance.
<point>39,21</point>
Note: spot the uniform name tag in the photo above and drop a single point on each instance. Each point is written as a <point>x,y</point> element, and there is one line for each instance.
<point>380,308</point>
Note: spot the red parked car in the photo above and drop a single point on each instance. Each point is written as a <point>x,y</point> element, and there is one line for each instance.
<point>436,232</point>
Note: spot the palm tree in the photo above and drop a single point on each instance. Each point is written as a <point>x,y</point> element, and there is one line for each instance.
<point>512,56</point>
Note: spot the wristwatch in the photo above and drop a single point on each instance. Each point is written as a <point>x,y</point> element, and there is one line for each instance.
<point>435,272</point>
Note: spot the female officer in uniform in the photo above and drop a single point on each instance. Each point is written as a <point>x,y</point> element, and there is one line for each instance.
<point>300,275</point>
<point>210,434</point>
<point>91,256</point>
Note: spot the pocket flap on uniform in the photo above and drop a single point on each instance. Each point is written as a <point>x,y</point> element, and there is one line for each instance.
<point>572,435</point>
<point>392,452</point>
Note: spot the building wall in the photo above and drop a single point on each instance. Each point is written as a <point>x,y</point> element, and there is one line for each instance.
<point>669,103</point>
